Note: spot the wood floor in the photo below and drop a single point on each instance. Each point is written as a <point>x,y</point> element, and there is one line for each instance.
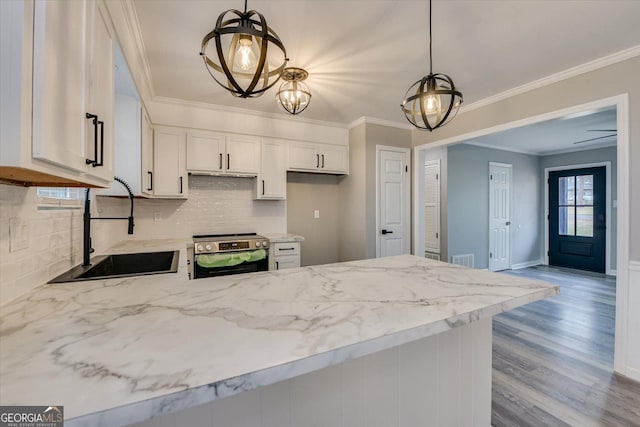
<point>553,359</point>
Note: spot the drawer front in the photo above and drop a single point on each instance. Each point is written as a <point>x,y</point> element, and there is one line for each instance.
<point>284,249</point>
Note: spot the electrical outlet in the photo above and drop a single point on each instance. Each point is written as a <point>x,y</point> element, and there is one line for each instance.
<point>156,216</point>
<point>316,214</point>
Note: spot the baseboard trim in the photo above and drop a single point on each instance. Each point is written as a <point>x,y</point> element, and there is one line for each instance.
<point>612,273</point>
<point>526,264</point>
<point>632,373</point>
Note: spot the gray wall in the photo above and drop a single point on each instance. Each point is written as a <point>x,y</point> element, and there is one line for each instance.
<point>307,192</point>
<point>468,203</point>
<point>583,157</point>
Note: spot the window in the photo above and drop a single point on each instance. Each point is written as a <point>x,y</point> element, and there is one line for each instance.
<point>60,197</point>
<point>576,205</point>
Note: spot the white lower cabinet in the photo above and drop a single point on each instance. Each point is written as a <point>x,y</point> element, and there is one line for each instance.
<point>318,158</point>
<point>169,170</point>
<point>271,183</point>
<point>284,255</point>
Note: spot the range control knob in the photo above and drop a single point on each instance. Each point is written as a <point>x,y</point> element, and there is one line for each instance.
<point>199,248</point>
<point>265,243</point>
<point>258,244</point>
<point>208,247</point>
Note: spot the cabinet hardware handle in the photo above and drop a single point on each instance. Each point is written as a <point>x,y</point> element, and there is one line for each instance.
<point>263,187</point>
<point>277,266</point>
<point>101,163</point>
<point>228,161</point>
<point>317,160</point>
<point>323,161</point>
<point>180,185</point>
<point>220,162</point>
<point>150,187</point>
<point>94,119</point>
<point>387,231</point>
<point>286,249</point>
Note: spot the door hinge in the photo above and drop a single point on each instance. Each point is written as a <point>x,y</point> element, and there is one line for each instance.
<point>406,168</point>
<point>490,255</point>
<point>491,177</point>
<point>437,176</point>
<point>547,253</point>
<point>547,217</point>
<point>436,235</point>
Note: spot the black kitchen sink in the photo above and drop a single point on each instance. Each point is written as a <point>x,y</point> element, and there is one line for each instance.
<point>122,265</point>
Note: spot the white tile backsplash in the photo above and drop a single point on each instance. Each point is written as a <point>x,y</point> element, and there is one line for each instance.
<point>49,242</point>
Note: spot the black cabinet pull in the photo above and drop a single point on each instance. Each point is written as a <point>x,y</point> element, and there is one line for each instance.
<point>386,231</point>
<point>94,119</point>
<point>317,160</point>
<point>150,187</point>
<point>180,185</point>
<point>220,162</point>
<point>323,161</point>
<point>101,162</point>
<point>263,187</point>
<point>277,265</point>
<point>228,161</point>
<point>287,249</point>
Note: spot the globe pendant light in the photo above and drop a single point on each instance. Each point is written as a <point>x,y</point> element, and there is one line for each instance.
<point>248,58</point>
<point>432,101</point>
<point>293,95</point>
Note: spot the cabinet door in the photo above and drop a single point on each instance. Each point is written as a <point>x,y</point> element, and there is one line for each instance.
<point>100,87</point>
<point>272,180</point>
<point>169,174</point>
<point>205,152</point>
<point>242,155</point>
<point>282,263</point>
<point>146,139</point>
<point>334,159</point>
<point>59,100</point>
<point>303,156</point>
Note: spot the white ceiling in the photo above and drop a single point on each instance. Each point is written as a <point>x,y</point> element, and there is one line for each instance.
<point>590,130</point>
<point>362,55</point>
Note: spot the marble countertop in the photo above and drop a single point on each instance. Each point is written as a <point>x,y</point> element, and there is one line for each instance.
<point>118,351</point>
<point>283,237</point>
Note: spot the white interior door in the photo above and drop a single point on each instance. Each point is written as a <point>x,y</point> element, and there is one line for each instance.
<point>393,201</point>
<point>499,216</point>
<point>432,206</point>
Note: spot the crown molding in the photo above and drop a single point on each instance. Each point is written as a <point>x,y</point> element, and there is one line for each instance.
<point>575,149</point>
<point>245,111</point>
<point>596,64</point>
<point>381,122</point>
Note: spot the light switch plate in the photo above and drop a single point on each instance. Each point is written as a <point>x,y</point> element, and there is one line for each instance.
<point>316,214</point>
<point>18,234</point>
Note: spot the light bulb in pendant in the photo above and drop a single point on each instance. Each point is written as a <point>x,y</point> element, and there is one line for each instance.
<point>432,104</point>
<point>245,59</point>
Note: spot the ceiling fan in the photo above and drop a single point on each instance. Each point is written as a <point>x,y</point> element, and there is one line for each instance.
<point>612,132</point>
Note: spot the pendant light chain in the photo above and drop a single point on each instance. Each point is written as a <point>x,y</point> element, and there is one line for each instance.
<point>430,42</point>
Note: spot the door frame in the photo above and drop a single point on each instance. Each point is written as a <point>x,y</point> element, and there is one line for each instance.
<point>435,162</point>
<point>504,165</point>
<point>607,250</point>
<point>621,103</point>
<point>406,196</point>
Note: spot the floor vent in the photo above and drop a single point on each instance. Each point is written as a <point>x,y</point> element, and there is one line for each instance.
<point>466,260</point>
<point>432,255</point>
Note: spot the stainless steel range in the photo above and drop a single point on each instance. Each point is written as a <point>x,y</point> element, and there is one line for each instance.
<point>224,254</point>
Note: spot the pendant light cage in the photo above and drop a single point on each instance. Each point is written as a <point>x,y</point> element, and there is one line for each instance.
<point>432,102</point>
<point>293,95</point>
<point>245,56</point>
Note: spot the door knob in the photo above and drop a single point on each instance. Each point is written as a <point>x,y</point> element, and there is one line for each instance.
<point>386,231</point>
<point>508,223</point>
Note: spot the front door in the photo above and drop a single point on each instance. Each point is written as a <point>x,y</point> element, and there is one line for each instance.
<point>577,209</point>
<point>393,201</point>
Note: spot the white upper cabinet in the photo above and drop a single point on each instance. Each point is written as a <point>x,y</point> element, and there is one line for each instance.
<point>146,153</point>
<point>272,180</point>
<point>217,153</point>
<point>169,172</point>
<point>57,69</point>
<point>319,158</point>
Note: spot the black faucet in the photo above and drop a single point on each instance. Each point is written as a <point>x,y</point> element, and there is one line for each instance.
<point>87,249</point>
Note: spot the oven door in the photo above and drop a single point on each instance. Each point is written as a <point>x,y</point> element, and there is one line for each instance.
<point>224,264</point>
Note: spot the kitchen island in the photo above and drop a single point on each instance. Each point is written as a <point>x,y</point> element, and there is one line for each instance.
<point>120,351</point>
